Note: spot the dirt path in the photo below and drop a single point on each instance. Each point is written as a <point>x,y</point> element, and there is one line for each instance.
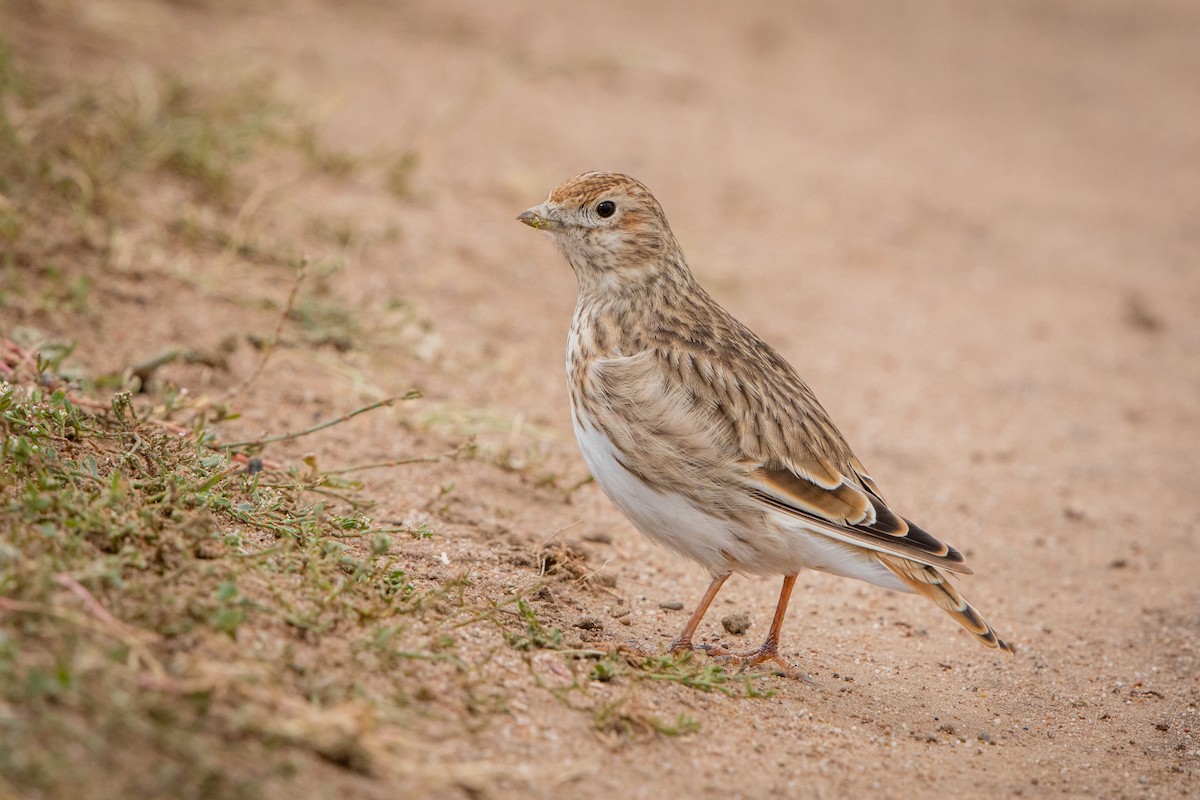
<point>974,230</point>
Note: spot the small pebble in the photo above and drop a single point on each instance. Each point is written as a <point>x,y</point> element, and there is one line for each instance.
<point>589,624</point>
<point>671,606</point>
<point>737,624</point>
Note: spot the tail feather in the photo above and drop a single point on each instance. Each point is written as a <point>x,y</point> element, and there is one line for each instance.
<point>927,581</point>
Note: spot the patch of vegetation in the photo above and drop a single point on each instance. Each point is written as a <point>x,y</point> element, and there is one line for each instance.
<point>400,175</point>
<point>535,635</point>
<point>606,683</point>
<point>626,719</point>
<point>322,158</point>
<point>616,709</point>
<point>180,617</point>
<point>83,169</point>
<point>69,152</point>
<point>149,583</point>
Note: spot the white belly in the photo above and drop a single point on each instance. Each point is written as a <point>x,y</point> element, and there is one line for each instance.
<point>666,518</point>
<point>783,546</point>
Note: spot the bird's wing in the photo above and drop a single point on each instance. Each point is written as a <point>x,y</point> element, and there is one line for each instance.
<point>850,513</point>
<point>682,420</point>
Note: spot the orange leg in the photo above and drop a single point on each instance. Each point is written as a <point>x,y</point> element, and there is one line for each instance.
<point>769,651</point>
<point>684,642</point>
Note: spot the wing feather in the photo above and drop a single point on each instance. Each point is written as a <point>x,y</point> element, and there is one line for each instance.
<point>853,515</point>
<point>771,438</point>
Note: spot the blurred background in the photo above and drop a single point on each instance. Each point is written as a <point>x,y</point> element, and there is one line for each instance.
<point>973,227</point>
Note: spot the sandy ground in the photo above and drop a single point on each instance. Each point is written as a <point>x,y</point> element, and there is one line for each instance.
<point>973,228</point>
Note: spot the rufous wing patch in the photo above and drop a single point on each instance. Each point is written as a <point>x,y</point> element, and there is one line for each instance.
<point>853,514</point>
<point>841,504</point>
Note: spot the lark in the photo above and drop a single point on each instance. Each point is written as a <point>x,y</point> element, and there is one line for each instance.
<point>704,436</point>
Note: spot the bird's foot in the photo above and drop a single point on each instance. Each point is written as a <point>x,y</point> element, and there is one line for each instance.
<point>685,646</point>
<point>768,652</point>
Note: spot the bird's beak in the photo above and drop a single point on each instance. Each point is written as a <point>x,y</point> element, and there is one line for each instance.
<point>539,217</point>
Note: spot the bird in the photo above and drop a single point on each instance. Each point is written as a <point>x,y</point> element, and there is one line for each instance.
<point>704,437</point>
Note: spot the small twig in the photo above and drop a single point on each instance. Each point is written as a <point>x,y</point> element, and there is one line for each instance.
<point>586,579</point>
<point>144,370</point>
<point>398,462</point>
<point>349,500</point>
<point>412,394</point>
<point>269,346</point>
<point>542,546</point>
<point>554,535</point>
<point>99,611</point>
<point>368,532</point>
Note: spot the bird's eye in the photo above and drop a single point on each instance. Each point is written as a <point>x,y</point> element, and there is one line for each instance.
<point>606,209</point>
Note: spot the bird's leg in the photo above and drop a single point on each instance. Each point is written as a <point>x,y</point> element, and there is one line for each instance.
<point>684,642</point>
<point>769,651</point>
<point>770,648</point>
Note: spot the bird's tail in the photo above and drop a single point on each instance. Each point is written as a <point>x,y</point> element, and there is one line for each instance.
<point>926,580</point>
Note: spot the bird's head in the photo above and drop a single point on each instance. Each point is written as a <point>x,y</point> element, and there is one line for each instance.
<point>609,227</point>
